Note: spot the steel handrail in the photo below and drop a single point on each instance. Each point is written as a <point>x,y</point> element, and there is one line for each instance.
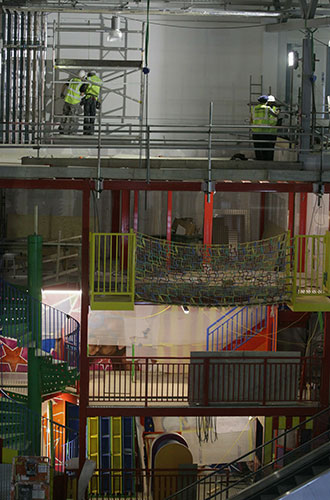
<point>258,448</point>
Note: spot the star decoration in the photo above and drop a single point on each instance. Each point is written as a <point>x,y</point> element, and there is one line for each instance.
<point>13,357</point>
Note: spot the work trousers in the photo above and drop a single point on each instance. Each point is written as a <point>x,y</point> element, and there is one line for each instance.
<point>70,122</point>
<point>264,146</point>
<point>89,114</point>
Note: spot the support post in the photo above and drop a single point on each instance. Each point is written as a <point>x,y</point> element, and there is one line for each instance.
<point>84,367</point>
<point>115,210</point>
<point>136,212</point>
<point>302,230</point>
<point>325,386</point>
<point>306,95</point>
<point>291,207</point>
<point>169,215</point>
<point>125,211</point>
<point>208,218</point>
<point>34,367</point>
<point>262,215</point>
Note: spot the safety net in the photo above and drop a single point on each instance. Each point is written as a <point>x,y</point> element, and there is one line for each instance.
<point>212,275</point>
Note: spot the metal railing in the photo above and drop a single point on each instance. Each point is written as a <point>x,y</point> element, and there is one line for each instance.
<point>239,325</point>
<point>311,265</point>
<point>112,267</point>
<point>319,434</point>
<point>205,381</point>
<point>33,324</point>
<point>149,484</point>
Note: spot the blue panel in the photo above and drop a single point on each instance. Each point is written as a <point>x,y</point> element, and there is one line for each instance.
<point>128,455</point>
<point>72,421</point>
<point>105,454</point>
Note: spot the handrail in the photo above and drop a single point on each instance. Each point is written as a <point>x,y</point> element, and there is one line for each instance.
<point>53,332</point>
<point>258,448</point>
<point>238,328</point>
<point>29,423</point>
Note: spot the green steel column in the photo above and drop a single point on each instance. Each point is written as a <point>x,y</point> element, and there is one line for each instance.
<point>34,368</point>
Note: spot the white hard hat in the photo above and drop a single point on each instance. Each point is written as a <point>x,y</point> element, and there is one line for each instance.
<point>271,98</point>
<point>82,73</point>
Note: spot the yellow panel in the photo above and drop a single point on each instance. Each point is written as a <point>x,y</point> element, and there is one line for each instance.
<point>116,453</point>
<point>93,446</point>
<point>8,455</point>
<point>310,304</point>
<point>282,423</point>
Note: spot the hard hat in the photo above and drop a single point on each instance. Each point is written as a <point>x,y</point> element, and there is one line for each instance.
<point>263,98</point>
<point>82,73</point>
<point>271,98</point>
<point>92,72</point>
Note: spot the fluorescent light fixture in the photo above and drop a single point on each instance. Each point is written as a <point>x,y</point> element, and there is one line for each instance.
<point>63,292</point>
<point>293,59</point>
<point>115,34</point>
<point>290,59</point>
<point>185,309</point>
<point>228,13</point>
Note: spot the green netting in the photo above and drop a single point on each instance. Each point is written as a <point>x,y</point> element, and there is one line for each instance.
<point>214,275</point>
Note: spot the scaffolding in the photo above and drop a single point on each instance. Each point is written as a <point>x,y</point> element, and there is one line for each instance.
<point>117,66</point>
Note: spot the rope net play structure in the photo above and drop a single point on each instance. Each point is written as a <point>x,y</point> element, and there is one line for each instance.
<point>212,275</point>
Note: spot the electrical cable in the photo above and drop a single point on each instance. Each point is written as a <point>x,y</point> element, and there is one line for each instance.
<point>200,27</point>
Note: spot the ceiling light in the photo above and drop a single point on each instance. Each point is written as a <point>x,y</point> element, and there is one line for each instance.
<point>293,59</point>
<point>114,33</point>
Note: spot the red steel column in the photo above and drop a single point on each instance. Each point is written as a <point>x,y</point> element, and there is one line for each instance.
<point>262,215</point>
<point>115,211</point>
<point>325,383</point>
<point>291,206</point>
<point>84,368</point>
<point>125,206</point>
<point>302,230</point>
<point>169,215</point>
<point>136,212</point>
<point>208,219</point>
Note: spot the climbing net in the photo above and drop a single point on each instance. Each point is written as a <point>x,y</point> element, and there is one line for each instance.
<point>212,275</point>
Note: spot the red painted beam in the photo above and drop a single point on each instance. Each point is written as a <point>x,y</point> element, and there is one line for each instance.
<point>136,212</point>
<point>262,214</point>
<point>239,187</point>
<point>291,207</point>
<point>195,411</point>
<point>84,366</point>
<point>115,211</point>
<point>125,211</point>
<point>208,219</point>
<point>169,215</point>
<point>325,380</point>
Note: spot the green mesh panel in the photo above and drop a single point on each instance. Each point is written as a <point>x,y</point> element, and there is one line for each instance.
<point>214,275</point>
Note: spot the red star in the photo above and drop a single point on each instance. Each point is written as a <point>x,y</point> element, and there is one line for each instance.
<point>13,357</point>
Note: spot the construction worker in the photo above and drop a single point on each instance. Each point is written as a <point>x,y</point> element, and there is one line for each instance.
<point>272,104</point>
<point>71,93</point>
<point>263,134</point>
<point>91,101</point>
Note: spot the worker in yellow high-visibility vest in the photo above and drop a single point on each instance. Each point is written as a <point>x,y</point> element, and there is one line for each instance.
<point>72,94</point>
<point>264,120</point>
<point>91,101</point>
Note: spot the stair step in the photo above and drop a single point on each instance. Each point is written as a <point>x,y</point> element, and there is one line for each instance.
<point>318,469</point>
<point>7,426</point>
<point>285,486</point>
<point>14,330</point>
<point>300,478</point>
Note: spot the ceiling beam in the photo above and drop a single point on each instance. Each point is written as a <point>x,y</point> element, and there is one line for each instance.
<point>298,24</point>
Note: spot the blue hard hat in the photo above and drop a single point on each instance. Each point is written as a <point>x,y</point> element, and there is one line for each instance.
<point>263,98</point>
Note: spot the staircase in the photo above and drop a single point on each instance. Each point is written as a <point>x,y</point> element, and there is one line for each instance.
<point>295,467</point>
<point>57,345</point>
<point>26,325</point>
<point>250,328</point>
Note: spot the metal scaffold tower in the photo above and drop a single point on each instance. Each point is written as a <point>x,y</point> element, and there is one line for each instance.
<point>119,66</point>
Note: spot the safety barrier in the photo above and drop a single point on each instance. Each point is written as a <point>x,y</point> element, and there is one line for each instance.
<point>205,381</point>
<point>112,271</point>
<point>257,471</point>
<point>33,324</point>
<point>156,483</point>
<point>239,325</point>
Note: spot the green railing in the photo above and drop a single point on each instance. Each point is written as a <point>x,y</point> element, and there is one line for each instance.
<point>112,270</point>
